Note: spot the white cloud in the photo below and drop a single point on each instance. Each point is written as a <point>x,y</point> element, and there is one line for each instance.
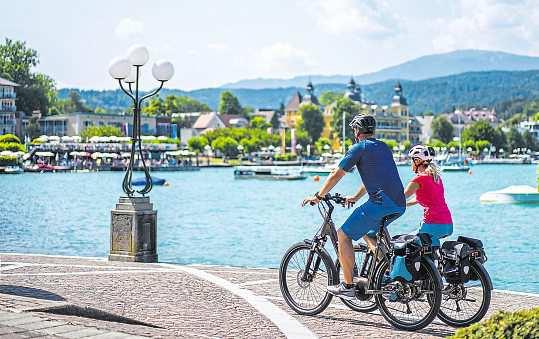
<point>488,24</point>
<point>129,27</point>
<point>365,18</point>
<point>282,59</point>
<point>218,46</point>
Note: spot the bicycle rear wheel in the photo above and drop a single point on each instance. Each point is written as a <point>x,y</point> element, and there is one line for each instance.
<point>409,306</point>
<point>307,297</point>
<point>466,303</point>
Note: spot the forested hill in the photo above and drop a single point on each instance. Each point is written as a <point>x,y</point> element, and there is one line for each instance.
<point>434,95</point>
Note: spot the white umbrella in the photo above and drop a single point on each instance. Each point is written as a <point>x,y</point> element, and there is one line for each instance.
<point>162,137</point>
<point>147,137</point>
<point>96,155</point>
<point>326,155</point>
<point>77,138</point>
<point>125,155</point>
<point>67,139</point>
<point>7,153</point>
<point>44,154</point>
<point>94,139</point>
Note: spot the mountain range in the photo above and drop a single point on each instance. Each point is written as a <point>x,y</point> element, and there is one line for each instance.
<point>478,78</point>
<point>425,67</point>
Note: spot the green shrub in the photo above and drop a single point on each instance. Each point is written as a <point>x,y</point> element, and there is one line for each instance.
<point>162,141</point>
<point>6,160</point>
<point>520,324</point>
<point>9,138</point>
<point>284,157</point>
<point>12,146</point>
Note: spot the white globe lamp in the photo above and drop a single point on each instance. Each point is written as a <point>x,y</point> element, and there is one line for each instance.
<point>132,78</point>
<point>119,68</point>
<point>163,70</point>
<point>138,55</point>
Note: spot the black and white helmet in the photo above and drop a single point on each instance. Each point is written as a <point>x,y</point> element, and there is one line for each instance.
<point>421,152</point>
<point>364,123</point>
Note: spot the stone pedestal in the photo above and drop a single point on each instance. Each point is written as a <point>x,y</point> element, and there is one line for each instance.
<point>133,230</point>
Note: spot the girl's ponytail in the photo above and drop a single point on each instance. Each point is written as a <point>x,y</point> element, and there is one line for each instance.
<point>433,171</point>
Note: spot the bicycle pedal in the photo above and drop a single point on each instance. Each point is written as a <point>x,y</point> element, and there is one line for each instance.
<point>361,281</point>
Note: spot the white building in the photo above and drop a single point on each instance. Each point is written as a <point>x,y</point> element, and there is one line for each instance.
<point>8,109</point>
<point>530,126</point>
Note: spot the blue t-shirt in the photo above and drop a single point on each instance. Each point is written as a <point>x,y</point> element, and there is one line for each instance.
<point>377,168</point>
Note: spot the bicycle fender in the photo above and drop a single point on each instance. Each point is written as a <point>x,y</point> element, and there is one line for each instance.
<point>428,261</point>
<point>485,273</point>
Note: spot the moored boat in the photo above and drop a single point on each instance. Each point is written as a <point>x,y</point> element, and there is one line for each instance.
<point>12,170</point>
<point>268,172</point>
<point>512,194</point>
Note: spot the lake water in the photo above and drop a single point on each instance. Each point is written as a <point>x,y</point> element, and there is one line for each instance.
<point>208,217</point>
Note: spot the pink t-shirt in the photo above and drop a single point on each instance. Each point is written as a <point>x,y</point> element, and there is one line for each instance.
<point>430,196</point>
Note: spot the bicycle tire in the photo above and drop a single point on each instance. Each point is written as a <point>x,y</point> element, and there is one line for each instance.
<point>485,303</point>
<point>427,266</point>
<point>332,279</point>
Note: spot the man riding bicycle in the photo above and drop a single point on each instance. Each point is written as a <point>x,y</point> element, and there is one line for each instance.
<point>381,181</point>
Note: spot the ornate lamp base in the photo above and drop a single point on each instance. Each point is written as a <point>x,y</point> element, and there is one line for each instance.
<point>133,230</point>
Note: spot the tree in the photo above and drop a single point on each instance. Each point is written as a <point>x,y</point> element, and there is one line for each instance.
<point>227,145</point>
<point>390,143</point>
<point>77,105</point>
<point>320,145</point>
<point>479,130</point>
<point>197,144</point>
<point>36,91</point>
<point>350,109</point>
<point>329,97</point>
<point>32,130</point>
<point>515,139</point>
<point>275,123</point>
<point>154,107</point>
<point>481,145</point>
<point>229,104</point>
<point>101,131</point>
<point>433,142</point>
<point>313,120</point>
<point>442,129</point>
<point>529,141</point>
<point>259,123</point>
<point>185,104</point>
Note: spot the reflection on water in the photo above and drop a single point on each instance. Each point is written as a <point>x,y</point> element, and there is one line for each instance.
<point>208,217</point>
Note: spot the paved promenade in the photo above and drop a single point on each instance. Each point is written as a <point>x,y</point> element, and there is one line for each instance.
<point>67,297</point>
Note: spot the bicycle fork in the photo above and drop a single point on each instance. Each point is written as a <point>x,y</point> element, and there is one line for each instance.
<point>307,275</point>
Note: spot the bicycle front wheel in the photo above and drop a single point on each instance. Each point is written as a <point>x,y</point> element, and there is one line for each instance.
<point>303,286</point>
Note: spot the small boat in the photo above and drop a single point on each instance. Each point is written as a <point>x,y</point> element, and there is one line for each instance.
<point>455,164</point>
<point>268,172</point>
<point>13,170</point>
<point>522,194</point>
<point>142,181</point>
<point>321,170</point>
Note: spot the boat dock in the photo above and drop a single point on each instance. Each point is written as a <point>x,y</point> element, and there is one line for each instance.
<point>75,297</point>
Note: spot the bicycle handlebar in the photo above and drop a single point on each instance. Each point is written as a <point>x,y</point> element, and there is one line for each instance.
<point>337,198</point>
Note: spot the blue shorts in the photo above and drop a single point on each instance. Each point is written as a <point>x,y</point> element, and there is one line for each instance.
<point>436,231</point>
<point>367,217</point>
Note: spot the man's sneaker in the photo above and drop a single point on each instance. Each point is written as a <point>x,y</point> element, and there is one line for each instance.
<point>342,291</point>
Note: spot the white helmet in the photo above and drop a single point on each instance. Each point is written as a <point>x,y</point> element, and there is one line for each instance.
<point>422,152</point>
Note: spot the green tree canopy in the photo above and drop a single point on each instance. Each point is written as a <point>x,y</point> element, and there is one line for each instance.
<point>433,142</point>
<point>229,104</point>
<point>227,145</point>
<point>515,139</point>
<point>275,123</point>
<point>259,123</point>
<point>313,120</point>
<point>350,109</point>
<point>36,91</point>
<point>197,144</point>
<point>482,130</point>
<point>442,129</point>
<point>101,131</point>
<point>329,97</point>
<point>390,143</point>
<point>320,144</point>
<point>9,138</point>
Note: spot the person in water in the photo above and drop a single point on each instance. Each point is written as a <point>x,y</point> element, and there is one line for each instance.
<point>428,188</point>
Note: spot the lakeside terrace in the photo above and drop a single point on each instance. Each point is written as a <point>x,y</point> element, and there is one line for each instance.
<point>71,296</point>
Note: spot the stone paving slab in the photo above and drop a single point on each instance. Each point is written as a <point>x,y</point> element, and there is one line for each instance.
<point>174,302</point>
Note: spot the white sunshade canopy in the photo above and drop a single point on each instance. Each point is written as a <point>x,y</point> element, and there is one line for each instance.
<point>44,154</point>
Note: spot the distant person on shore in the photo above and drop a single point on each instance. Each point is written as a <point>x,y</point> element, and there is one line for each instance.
<point>428,188</point>
<point>381,181</point>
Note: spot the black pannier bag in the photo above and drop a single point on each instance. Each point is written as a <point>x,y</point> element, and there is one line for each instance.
<point>406,262</point>
<point>478,253</point>
<point>456,256</point>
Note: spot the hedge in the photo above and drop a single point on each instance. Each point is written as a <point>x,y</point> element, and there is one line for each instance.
<point>6,160</point>
<point>9,138</point>
<point>521,324</point>
<point>12,146</point>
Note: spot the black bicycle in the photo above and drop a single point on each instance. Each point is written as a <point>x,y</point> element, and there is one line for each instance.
<point>307,269</point>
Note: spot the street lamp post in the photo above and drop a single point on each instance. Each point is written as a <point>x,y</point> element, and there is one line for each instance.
<point>207,150</point>
<point>299,147</point>
<point>240,151</point>
<point>134,221</point>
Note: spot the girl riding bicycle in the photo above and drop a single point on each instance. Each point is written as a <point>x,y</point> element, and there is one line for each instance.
<point>428,188</point>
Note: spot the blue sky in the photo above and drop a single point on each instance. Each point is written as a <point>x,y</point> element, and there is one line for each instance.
<point>215,42</point>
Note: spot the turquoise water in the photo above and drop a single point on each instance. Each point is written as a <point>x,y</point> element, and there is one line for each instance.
<point>207,217</point>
